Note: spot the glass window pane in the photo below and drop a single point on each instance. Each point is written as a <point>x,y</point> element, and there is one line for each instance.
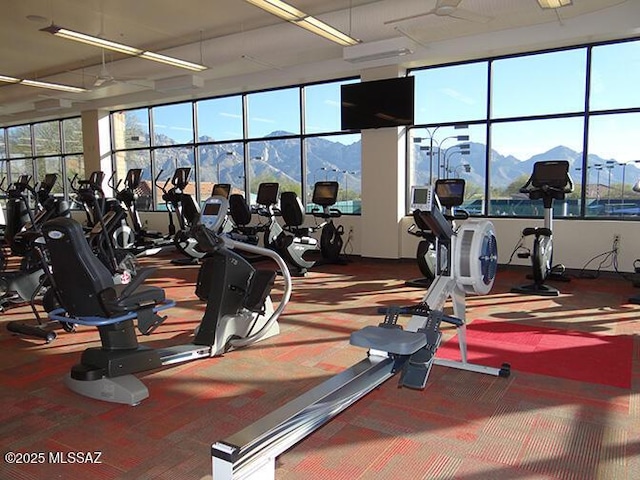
<point>172,124</point>
<point>130,128</point>
<point>336,157</point>
<point>276,112</point>
<point>20,167</point>
<point>221,163</point>
<point>3,146</point>
<point>220,119</point>
<point>275,161</point>
<point>136,159</point>
<point>72,132</point>
<point>539,84</point>
<point>615,76</point>
<point>50,165</point>
<point>612,167</point>
<point>451,94</point>
<point>47,138</point>
<point>516,146</point>
<point>449,152</point>
<point>19,141</point>
<point>322,107</point>
<point>166,160</point>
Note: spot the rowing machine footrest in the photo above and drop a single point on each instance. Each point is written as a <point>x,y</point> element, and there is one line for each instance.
<point>416,370</point>
<point>391,340</point>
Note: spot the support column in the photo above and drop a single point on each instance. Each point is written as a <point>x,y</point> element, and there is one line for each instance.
<point>97,143</point>
<point>383,182</point>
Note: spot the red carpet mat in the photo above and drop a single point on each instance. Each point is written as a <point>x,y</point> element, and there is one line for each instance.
<point>602,359</point>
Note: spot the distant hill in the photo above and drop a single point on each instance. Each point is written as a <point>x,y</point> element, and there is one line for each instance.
<point>327,159</point>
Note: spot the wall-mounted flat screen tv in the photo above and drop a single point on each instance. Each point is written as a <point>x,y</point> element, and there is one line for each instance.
<point>377,104</point>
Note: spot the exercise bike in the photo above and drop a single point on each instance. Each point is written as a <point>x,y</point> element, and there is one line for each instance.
<point>466,263</point>
<point>239,311</point>
<point>549,181</point>
<point>325,195</point>
<point>450,192</point>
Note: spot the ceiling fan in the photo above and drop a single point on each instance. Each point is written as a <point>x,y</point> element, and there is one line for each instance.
<point>446,8</point>
<point>105,78</point>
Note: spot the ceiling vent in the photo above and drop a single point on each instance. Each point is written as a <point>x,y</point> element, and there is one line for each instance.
<point>52,104</point>
<point>371,51</point>
<point>182,82</point>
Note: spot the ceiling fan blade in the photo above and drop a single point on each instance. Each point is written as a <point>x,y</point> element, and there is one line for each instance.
<point>469,16</point>
<point>409,17</point>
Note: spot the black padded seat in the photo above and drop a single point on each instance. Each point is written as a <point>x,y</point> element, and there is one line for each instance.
<point>88,289</point>
<point>293,214</point>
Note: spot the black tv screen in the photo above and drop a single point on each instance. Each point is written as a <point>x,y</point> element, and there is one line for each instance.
<point>377,104</point>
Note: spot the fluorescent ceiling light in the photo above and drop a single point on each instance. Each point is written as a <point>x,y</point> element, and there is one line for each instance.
<point>52,86</point>
<point>301,19</point>
<point>176,62</point>
<point>37,83</point>
<point>120,47</point>
<point>554,3</point>
<point>279,8</point>
<point>327,31</point>
<point>4,78</point>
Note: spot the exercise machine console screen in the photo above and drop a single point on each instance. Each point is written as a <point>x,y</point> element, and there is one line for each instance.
<point>325,193</point>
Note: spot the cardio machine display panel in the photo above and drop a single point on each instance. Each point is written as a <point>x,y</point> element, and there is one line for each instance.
<point>214,212</point>
<point>325,194</point>
<point>450,192</point>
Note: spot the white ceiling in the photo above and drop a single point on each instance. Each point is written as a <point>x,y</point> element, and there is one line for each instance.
<point>247,48</point>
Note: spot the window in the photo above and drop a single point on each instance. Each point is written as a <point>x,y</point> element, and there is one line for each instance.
<point>136,159</point>
<point>322,107</point>
<point>456,151</point>
<point>130,129</point>
<point>271,148</point>
<point>612,167</point>
<point>538,111</point>
<point>166,161</point>
<point>516,146</point>
<point>336,158</point>
<point>72,135</point>
<point>274,113</point>
<point>615,76</point>
<point>221,163</point>
<point>3,145</point>
<point>46,138</point>
<point>541,84</point>
<point>19,141</point>
<point>275,161</point>
<point>172,124</point>
<point>451,94</point>
<point>220,119</point>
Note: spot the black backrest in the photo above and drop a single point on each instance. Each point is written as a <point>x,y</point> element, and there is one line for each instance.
<point>79,275</point>
<point>291,209</point>
<point>267,193</point>
<point>239,210</point>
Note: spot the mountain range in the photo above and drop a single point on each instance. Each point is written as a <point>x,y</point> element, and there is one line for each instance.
<point>327,159</point>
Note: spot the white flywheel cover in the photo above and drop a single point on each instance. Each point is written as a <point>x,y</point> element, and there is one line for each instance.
<point>477,256</point>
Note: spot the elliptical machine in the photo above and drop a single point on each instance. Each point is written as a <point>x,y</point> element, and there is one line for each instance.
<point>549,181</point>
<point>239,311</point>
<point>186,211</point>
<point>325,195</point>
<point>450,191</point>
